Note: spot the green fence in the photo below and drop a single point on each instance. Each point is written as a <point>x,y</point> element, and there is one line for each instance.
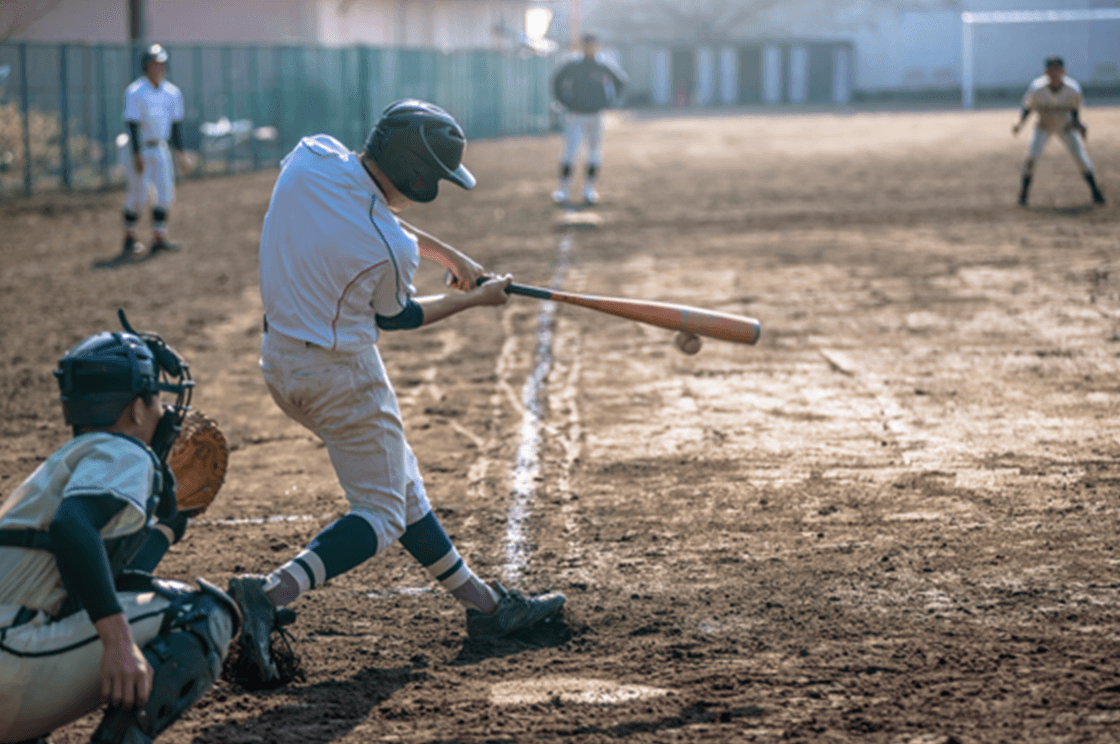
<point>61,105</point>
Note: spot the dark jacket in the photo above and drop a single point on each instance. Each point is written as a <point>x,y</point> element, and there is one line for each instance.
<point>588,85</point>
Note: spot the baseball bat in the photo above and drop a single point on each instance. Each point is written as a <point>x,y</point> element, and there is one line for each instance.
<point>697,321</point>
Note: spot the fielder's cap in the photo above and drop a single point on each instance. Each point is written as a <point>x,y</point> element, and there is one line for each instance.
<point>154,53</point>
<point>590,38</point>
<point>1055,61</point>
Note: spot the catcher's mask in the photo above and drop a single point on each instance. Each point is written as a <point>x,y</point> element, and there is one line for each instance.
<point>415,144</point>
<point>102,375</point>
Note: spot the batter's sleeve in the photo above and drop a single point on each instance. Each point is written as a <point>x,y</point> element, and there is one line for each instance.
<point>120,468</point>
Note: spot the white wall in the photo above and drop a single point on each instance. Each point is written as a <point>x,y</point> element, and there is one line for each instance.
<point>440,24</point>
<point>898,49</point>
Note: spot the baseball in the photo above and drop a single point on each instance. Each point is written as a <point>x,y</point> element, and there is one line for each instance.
<point>689,343</point>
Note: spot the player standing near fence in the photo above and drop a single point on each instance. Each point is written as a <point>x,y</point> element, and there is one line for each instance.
<point>336,269</point>
<point>153,112</point>
<point>585,86</point>
<point>1056,98</point>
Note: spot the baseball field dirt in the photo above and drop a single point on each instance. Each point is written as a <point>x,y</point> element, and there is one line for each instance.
<point>895,519</point>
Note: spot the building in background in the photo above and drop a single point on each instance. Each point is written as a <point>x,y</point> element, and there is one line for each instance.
<point>445,25</point>
<point>734,52</point>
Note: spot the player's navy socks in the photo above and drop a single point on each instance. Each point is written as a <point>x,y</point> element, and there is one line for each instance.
<point>428,543</point>
<point>1092,181</point>
<point>337,549</point>
<point>1025,189</point>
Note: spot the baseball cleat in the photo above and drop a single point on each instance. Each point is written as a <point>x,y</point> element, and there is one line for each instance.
<point>560,196</point>
<point>590,196</point>
<point>132,248</point>
<point>515,612</point>
<point>260,619</point>
<point>165,246</point>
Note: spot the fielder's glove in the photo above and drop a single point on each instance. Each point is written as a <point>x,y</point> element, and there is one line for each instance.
<point>198,459</point>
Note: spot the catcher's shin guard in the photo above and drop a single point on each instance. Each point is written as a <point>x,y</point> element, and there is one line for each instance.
<point>186,659</point>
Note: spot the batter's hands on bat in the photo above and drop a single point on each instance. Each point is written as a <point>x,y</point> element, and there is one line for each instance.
<point>493,290</point>
<point>466,271</point>
<point>126,677</point>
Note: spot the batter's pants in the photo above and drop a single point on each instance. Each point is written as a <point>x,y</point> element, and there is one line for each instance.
<point>50,671</point>
<point>582,128</point>
<point>1073,143</point>
<point>346,400</point>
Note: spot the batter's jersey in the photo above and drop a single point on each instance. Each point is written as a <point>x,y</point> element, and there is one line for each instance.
<point>332,254</point>
<point>154,108</point>
<point>88,465</point>
<point>1054,107</point>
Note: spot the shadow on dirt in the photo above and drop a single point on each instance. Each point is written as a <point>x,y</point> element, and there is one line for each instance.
<point>326,711</point>
<point>1064,211</point>
<point>546,634</point>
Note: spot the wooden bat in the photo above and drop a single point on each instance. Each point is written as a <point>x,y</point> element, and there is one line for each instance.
<point>694,320</point>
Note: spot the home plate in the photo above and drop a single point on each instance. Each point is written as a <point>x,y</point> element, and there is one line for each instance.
<point>580,218</point>
<point>569,690</point>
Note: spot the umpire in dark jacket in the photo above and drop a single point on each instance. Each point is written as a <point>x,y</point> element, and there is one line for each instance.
<point>585,86</point>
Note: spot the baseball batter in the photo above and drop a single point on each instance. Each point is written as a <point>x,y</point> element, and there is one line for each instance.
<point>585,86</point>
<point>336,269</point>
<point>76,627</point>
<point>1056,98</point>
<point>153,112</point>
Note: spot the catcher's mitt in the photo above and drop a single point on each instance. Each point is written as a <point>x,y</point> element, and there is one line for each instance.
<point>198,459</point>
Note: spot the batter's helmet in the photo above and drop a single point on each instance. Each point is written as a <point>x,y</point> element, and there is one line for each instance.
<point>154,53</point>
<point>416,143</point>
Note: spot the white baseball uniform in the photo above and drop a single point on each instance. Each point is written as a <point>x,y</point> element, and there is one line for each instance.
<point>1055,117</point>
<point>50,665</point>
<point>155,109</point>
<point>332,255</point>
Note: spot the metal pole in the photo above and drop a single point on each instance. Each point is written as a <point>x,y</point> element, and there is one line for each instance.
<point>254,104</point>
<point>967,99</point>
<point>573,24</point>
<point>25,107</point>
<point>363,90</point>
<point>103,111</point>
<point>200,101</point>
<point>227,92</point>
<point>64,117</point>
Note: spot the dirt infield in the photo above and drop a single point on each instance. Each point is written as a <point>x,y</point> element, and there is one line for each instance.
<point>893,520</point>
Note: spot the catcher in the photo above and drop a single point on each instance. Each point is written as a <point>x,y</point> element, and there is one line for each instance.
<point>79,624</point>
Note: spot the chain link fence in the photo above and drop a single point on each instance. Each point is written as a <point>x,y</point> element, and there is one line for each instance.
<point>61,105</point>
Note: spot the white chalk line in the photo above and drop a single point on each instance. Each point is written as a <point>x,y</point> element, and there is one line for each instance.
<point>515,546</point>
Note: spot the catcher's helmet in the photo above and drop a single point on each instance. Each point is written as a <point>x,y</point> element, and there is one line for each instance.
<point>416,143</point>
<point>154,53</point>
<point>102,375</point>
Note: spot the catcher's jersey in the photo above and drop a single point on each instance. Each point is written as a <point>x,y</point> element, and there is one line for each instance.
<point>89,464</point>
<point>332,254</point>
<point>1054,107</point>
<point>154,108</point>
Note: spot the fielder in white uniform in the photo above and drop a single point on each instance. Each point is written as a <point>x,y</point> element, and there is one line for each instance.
<point>81,622</point>
<point>336,269</point>
<point>153,112</point>
<point>1056,98</point>
<point>585,87</point>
